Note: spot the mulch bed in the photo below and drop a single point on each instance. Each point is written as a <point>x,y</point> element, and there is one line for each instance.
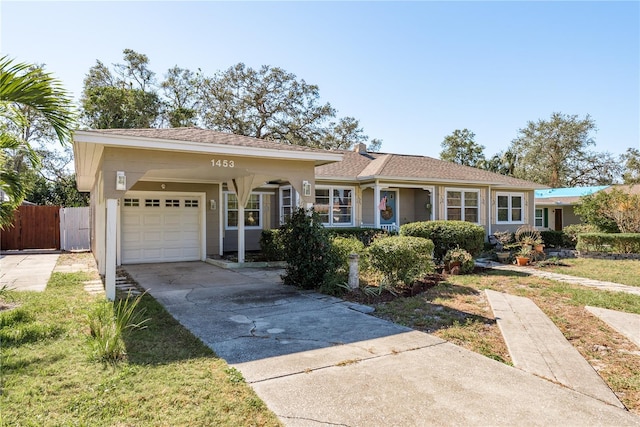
<point>418,287</point>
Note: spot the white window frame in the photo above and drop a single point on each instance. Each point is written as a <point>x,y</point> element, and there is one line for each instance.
<point>295,200</point>
<point>541,217</point>
<point>510,208</point>
<point>246,227</point>
<point>331,188</point>
<point>462,200</point>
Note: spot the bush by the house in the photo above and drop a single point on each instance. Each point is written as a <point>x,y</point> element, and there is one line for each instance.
<point>571,233</point>
<point>553,238</point>
<point>365,235</point>
<point>447,235</point>
<point>271,245</point>
<point>465,259</point>
<point>311,260</point>
<point>402,259</point>
<point>621,243</point>
<point>345,246</point>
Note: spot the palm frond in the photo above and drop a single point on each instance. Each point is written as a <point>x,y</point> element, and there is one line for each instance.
<point>39,90</point>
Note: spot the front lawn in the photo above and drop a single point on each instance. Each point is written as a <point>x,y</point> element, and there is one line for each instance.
<point>457,310</point>
<point>168,378</point>
<point>626,272</point>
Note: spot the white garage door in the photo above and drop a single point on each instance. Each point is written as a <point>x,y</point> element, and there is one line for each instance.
<point>160,228</point>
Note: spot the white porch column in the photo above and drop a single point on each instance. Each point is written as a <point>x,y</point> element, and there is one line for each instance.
<point>110,243</point>
<point>240,232</point>
<point>489,230</point>
<point>376,202</point>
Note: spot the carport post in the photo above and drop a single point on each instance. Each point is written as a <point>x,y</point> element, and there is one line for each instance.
<point>110,255</point>
<point>240,232</point>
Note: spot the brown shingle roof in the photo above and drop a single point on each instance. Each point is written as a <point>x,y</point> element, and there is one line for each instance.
<point>195,134</point>
<point>398,166</point>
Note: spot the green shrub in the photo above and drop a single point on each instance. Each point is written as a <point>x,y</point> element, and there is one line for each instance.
<point>365,235</point>
<point>447,235</point>
<point>271,245</point>
<point>571,233</point>
<point>622,243</point>
<point>553,238</point>
<point>467,264</point>
<point>110,323</point>
<point>345,246</point>
<point>311,260</point>
<point>402,259</point>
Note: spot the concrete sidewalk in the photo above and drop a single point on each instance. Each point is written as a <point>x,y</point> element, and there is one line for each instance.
<point>27,272</point>
<point>628,324</point>
<point>536,345</point>
<point>592,283</point>
<point>315,361</point>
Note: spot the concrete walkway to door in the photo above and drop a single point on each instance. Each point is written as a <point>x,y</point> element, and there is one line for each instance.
<point>315,361</point>
<point>27,271</point>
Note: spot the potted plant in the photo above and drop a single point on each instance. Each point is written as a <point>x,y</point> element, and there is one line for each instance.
<point>458,260</point>
<point>503,239</point>
<point>523,256</point>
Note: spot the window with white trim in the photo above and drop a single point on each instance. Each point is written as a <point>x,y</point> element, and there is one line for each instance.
<point>288,202</point>
<point>539,217</point>
<point>335,205</point>
<point>252,212</point>
<point>510,208</point>
<point>462,205</point>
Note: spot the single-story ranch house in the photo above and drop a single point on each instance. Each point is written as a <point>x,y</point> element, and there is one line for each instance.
<point>179,194</point>
<point>554,206</point>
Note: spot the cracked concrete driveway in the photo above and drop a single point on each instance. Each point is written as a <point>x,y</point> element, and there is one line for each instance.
<point>315,361</point>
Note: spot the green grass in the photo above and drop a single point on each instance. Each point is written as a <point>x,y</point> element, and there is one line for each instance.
<point>167,378</point>
<point>626,272</point>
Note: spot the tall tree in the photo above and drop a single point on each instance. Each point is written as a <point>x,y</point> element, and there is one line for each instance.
<point>27,90</point>
<point>125,98</point>
<point>555,152</point>
<point>460,147</point>
<point>180,93</point>
<point>631,161</point>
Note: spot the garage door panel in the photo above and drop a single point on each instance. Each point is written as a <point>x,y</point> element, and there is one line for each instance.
<point>167,231</point>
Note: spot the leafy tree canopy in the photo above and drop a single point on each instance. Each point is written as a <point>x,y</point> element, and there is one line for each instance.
<point>268,103</point>
<point>555,152</point>
<point>631,161</point>
<point>614,211</point>
<point>460,147</point>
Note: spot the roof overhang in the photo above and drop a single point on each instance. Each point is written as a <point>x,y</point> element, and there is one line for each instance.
<point>423,181</point>
<point>88,147</point>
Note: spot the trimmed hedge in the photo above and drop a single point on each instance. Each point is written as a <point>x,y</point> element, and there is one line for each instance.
<point>572,231</point>
<point>553,238</point>
<point>624,243</point>
<point>447,235</point>
<point>271,245</point>
<point>365,235</point>
<point>402,259</point>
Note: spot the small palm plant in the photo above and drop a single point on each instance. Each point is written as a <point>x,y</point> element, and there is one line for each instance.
<point>109,325</point>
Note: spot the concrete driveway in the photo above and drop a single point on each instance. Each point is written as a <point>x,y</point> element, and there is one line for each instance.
<point>316,361</point>
<point>26,272</point>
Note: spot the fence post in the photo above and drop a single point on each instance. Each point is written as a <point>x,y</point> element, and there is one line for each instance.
<point>354,276</point>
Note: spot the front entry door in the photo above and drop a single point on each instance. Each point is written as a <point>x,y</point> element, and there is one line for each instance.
<point>558,221</point>
<point>390,213</point>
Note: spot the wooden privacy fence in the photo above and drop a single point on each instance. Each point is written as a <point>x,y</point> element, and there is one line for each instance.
<point>47,227</point>
<point>34,227</point>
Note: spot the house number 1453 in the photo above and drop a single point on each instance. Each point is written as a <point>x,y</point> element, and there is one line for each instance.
<point>222,163</point>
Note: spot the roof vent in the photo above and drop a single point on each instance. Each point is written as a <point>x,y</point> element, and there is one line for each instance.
<point>360,148</point>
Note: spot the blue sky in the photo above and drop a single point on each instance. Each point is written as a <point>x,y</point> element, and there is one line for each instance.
<point>411,72</point>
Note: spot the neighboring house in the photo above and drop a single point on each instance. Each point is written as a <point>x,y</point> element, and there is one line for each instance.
<point>555,206</point>
<point>178,194</point>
